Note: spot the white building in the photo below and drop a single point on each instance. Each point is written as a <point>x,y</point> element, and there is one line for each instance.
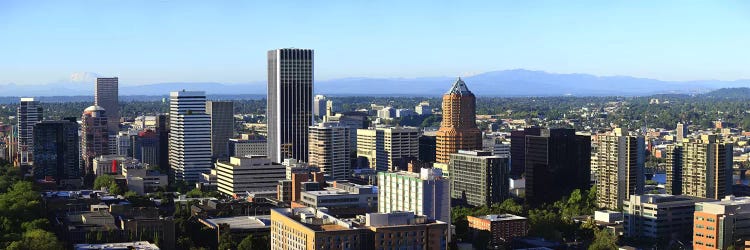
<point>330,149</point>
<point>425,193</point>
<point>248,174</point>
<point>423,108</point>
<point>141,180</point>
<point>292,166</point>
<point>247,146</point>
<point>124,142</point>
<point>189,135</point>
<point>385,148</point>
<point>109,164</point>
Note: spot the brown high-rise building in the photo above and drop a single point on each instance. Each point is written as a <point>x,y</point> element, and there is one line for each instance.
<point>458,130</point>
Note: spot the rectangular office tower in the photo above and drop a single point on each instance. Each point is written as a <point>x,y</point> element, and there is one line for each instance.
<point>222,127</point>
<point>700,167</point>
<point>330,149</point>
<point>557,162</point>
<point>106,96</point>
<point>518,150</point>
<point>190,135</point>
<point>29,113</point>
<point>478,178</point>
<point>387,149</point>
<point>290,98</point>
<point>56,148</point>
<point>425,193</point>
<point>619,161</point>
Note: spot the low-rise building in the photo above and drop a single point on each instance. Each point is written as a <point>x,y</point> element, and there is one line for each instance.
<point>248,174</point>
<point>502,227</point>
<point>721,224</point>
<point>108,164</point>
<point>137,245</point>
<point>142,180</point>
<point>343,199</point>
<point>309,228</point>
<point>660,216</point>
<point>239,226</point>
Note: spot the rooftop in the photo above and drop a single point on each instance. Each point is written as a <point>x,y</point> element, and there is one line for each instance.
<point>459,88</point>
<point>137,245</point>
<point>501,217</point>
<point>243,222</point>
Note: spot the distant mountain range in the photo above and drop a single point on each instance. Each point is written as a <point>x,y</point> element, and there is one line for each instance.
<point>518,82</point>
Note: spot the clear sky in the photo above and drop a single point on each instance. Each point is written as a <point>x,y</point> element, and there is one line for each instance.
<point>226,41</point>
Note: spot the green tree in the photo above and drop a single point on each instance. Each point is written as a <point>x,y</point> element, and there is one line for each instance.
<point>36,239</point>
<point>252,242</point>
<point>195,193</point>
<point>104,181</point>
<point>603,240</point>
<point>226,242</point>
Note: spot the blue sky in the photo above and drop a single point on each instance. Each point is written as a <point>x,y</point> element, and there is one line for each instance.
<point>226,41</point>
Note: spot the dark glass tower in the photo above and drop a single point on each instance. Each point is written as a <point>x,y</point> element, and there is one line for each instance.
<point>56,151</point>
<point>518,150</point>
<point>290,98</point>
<point>557,162</point>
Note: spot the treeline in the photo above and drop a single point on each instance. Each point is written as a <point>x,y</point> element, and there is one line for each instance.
<point>23,224</point>
<point>551,221</point>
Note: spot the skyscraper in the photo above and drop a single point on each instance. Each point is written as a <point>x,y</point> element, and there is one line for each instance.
<point>458,130</point>
<point>289,112</point>
<point>385,149</point>
<point>330,150</point>
<point>162,129</point>
<point>106,96</point>
<point>146,145</point>
<point>557,162</point>
<point>189,135</point>
<point>94,136</point>
<point>56,148</point>
<point>478,178</point>
<point>518,149</point>
<point>700,167</point>
<point>222,127</point>
<point>620,171</point>
<point>28,114</point>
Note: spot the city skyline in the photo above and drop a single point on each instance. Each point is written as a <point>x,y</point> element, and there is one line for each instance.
<point>664,41</point>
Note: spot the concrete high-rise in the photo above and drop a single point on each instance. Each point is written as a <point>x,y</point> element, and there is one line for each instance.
<point>557,162</point>
<point>458,130</point>
<point>222,127</point>
<point>700,167</point>
<point>94,136</point>
<point>425,193</point>
<point>386,149</point>
<point>330,150</point>
<point>620,171</point>
<point>319,106</point>
<point>106,96</point>
<point>518,149</point>
<point>56,148</point>
<point>290,98</point>
<point>478,178</point>
<point>189,135</point>
<point>680,132</point>
<point>29,113</point>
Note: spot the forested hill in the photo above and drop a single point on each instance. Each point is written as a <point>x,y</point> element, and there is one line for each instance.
<point>729,93</point>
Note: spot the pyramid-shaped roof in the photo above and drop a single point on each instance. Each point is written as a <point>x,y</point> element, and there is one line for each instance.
<point>459,88</point>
